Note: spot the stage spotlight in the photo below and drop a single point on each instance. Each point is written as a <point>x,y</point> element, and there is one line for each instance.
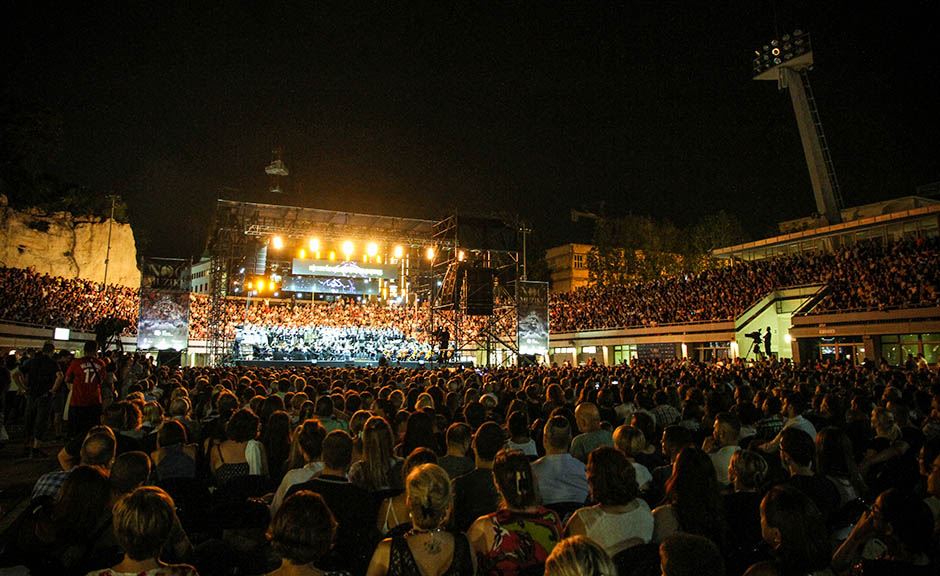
<point>314,244</point>
<point>277,242</point>
<point>372,249</point>
<point>302,254</point>
<point>248,285</point>
<point>461,255</point>
<point>430,253</point>
<point>348,249</point>
<point>399,252</point>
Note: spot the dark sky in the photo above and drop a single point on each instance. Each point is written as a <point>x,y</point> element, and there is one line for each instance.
<point>521,107</point>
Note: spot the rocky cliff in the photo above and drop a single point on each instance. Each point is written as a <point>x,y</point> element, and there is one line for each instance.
<point>61,244</point>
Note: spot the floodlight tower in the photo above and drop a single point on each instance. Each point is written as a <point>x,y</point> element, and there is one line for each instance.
<point>788,60</point>
<point>276,170</point>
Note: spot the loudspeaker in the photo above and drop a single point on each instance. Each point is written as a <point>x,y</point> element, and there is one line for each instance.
<point>479,292</point>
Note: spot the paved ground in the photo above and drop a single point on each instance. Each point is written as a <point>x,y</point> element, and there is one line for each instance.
<point>18,473</point>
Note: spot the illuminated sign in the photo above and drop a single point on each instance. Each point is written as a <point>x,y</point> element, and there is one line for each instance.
<point>331,285</point>
<point>306,267</point>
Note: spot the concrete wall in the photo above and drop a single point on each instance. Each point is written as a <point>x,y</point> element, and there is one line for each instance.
<point>64,245</point>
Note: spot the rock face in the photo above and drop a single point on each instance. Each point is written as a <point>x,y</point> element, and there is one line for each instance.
<point>61,244</point>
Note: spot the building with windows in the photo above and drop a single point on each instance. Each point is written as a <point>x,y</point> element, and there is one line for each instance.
<point>568,266</point>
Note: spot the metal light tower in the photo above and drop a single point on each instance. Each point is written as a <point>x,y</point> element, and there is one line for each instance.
<point>788,60</point>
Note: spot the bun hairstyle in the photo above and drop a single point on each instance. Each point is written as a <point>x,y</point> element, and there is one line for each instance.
<point>749,468</point>
<point>514,479</point>
<point>428,495</point>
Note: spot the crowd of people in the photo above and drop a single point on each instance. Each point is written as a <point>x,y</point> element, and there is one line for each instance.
<point>868,275</point>
<point>672,467</point>
<point>41,299</point>
<point>329,343</point>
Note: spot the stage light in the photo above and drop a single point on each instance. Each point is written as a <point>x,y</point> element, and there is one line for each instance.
<point>461,255</point>
<point>314,244</point>
<point>277,242</point>
<point>399,252</point>
<point>372,249</point>
<point>248,285</point>
<point>348,249</point>
<point>302,254</point>
<point>332,255</point>
<point>430,253</point>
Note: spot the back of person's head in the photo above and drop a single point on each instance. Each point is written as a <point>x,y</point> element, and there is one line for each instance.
<point>911,521</point>
<point>242,426</point>
<point>171,433</point>
<point>122,415</point>
<point>676,438</point>
<point>748,469</point>
<point>82,501</point>
<point>428,494</point>
<point>337,450</point>
<point>795,401</point>
<point>143,521</point>
<point>834,453</point>
<point>458,435</point>
<point>729,427</point>
<point>629,440</point>
<point>324,407</point>
<point>798,446</point>
<point>180,407</point>
<point>518,424</point>
<point>90,348</point>
<point>693,490</point>
<point>611,477</point>
<point>417,457</point>
<point>588,416</point>
<point>475,414</point>
<point>513,475</point>
<point>645,423</point>
<point>310,437</point>
<point>303,529</point>
<point>579,556</point>
<point>130,470</point>
<point>683,554</point>
<point>487,441</point>
<point>99,447</point>
<point>557,433</point>
<point>795,530</point>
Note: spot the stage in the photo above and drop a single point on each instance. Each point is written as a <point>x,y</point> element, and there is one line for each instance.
<point>349,364</point>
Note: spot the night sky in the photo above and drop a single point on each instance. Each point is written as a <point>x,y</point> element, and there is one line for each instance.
<point>517,107</point>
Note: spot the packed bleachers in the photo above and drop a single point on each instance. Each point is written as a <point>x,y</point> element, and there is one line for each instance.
<point>866,276</point>
<point>320,457</point>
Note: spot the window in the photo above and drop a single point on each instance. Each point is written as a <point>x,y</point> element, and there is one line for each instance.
<point>579,261</point>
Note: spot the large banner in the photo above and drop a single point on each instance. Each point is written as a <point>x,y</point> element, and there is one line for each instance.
<point>350,269</point>
<point>330,285</point>
<point>164,319</point>
<point>532,302</point>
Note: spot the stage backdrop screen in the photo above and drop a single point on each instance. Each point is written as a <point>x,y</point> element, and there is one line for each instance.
<point>164,319</point>
<point>532,300</point>
<point>322,285</point>
<point>329,268</point>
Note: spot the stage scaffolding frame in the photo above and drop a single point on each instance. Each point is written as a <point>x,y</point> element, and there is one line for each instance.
<point>498,331</point>
<point>237,226</point>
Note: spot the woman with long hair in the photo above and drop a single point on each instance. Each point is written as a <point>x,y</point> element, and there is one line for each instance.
<point>427,548</point>
<point>419,433</point>
<point>378,468</point>
<point>835,461</point>
<point>794,528</point>
<point>520,535</point>
<point>693,499</point>
<point>276,441</point>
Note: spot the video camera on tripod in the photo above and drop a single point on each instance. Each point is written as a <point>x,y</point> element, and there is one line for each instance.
<point>755,336</point>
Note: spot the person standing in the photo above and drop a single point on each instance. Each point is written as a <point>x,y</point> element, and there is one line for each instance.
<point>84,378</point>
<point>768,339</point>
<point>42,374</point>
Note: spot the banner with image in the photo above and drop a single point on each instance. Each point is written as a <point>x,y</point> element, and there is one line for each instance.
<point>164,320</point>
<point>532,302</point>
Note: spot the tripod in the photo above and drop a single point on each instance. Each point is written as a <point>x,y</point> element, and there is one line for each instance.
<point>755,348</point>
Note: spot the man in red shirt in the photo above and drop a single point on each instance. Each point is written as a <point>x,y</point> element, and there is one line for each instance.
<point>84,378</point>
